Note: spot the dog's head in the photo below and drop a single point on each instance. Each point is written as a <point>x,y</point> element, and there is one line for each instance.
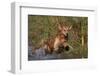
<point>64,29</point>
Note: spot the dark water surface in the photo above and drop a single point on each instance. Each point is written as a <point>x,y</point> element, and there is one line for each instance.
<point>39,54</point>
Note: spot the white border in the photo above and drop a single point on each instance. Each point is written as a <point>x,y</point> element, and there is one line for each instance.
<point>19,38</point>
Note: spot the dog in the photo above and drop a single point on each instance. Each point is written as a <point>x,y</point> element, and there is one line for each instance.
<point>60,42</point>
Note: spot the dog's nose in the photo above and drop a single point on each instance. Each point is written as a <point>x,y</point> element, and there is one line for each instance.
<point>66,36</point>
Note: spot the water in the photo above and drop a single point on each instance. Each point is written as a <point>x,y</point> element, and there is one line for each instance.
<point>39,54</point>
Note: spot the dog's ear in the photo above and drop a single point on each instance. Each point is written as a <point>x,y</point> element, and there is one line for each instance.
<point>70,27</point>
<point>60,27</point>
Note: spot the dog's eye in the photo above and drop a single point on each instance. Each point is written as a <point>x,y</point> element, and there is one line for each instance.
<point>64,30</point>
